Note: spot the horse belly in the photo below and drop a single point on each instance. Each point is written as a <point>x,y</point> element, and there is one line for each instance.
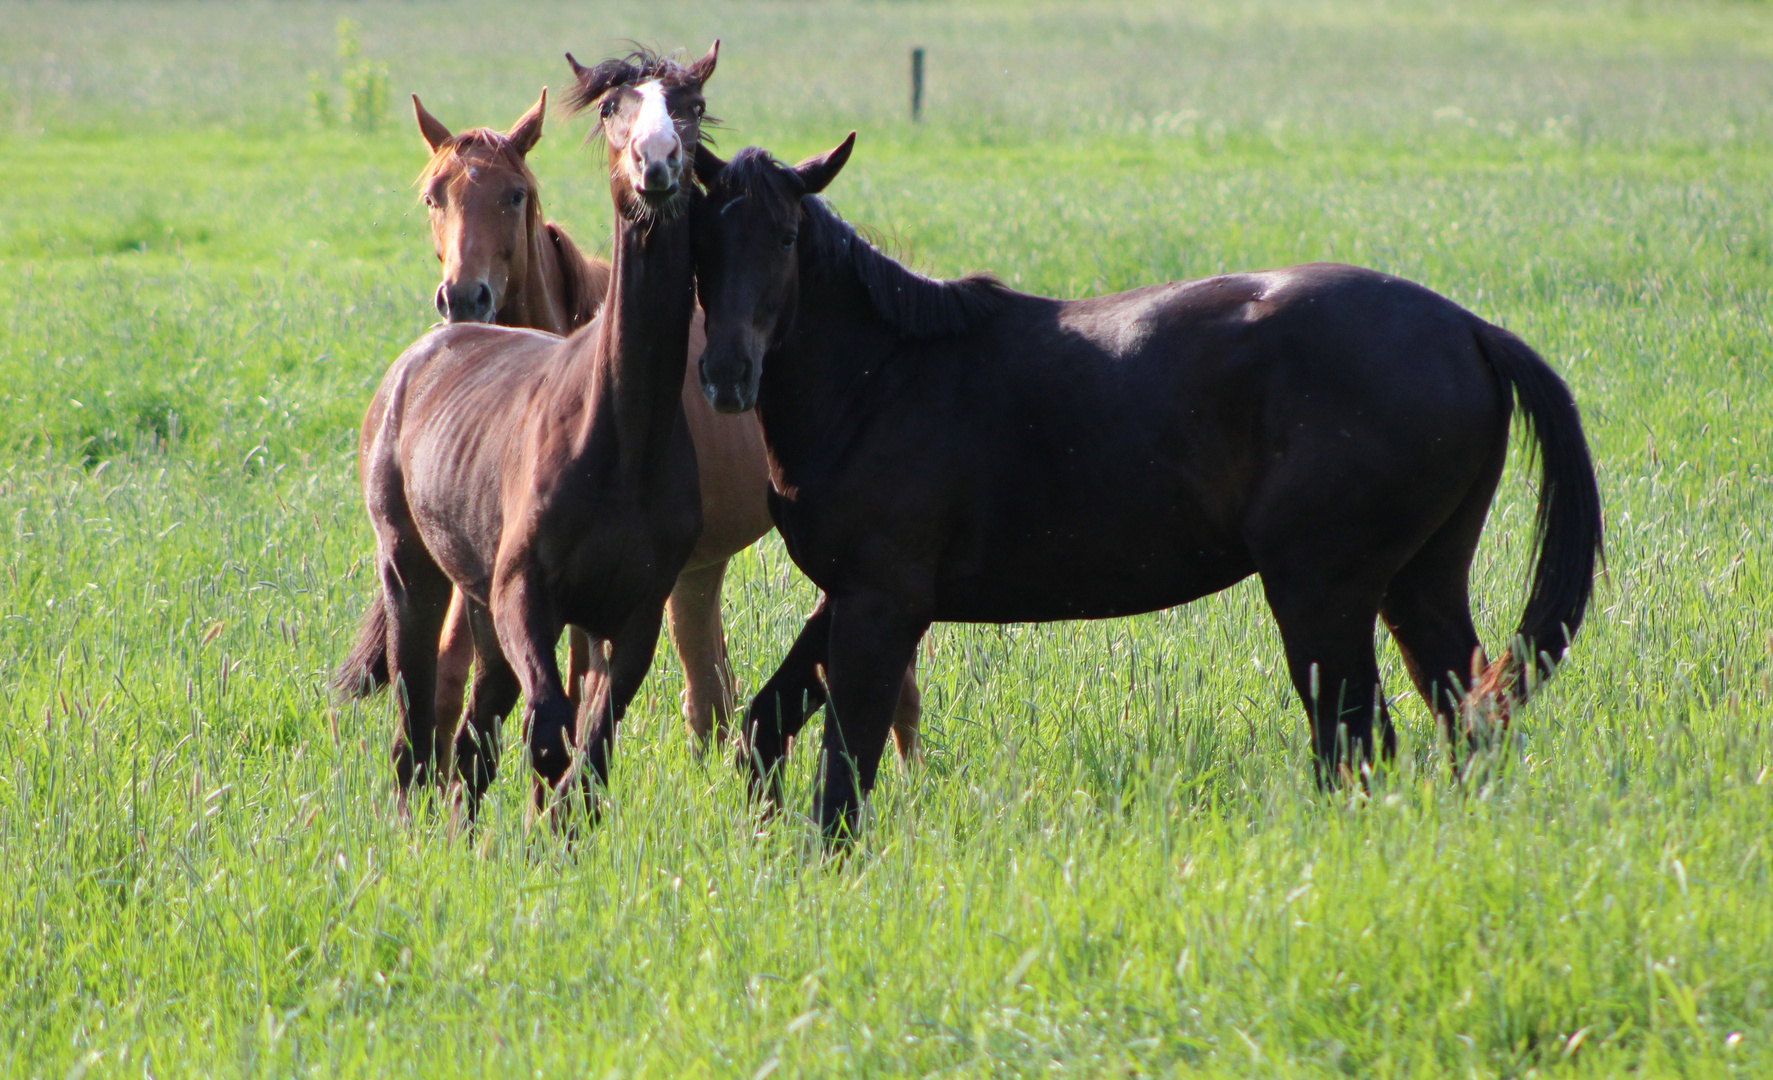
<point>1070,577</point>
<point>459,518</point>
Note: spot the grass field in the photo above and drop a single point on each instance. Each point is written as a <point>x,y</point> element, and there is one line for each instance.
<point>1114,861</point>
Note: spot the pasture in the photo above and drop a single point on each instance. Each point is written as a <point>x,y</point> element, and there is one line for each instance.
<point>1114,860</point>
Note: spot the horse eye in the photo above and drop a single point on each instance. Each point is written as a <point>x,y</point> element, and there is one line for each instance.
<point>699,109</point>
<point>609,107</point>
<point>517,198</point>
<point>429,201</point>
<point>788,241</point>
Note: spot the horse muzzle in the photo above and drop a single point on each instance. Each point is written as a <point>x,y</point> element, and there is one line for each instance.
<point>656,169</point>
<point>466,301</point>
<point>729,382</point>
<point>730,399</point>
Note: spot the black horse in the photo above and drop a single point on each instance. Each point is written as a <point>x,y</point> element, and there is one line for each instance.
<point>957,451</point>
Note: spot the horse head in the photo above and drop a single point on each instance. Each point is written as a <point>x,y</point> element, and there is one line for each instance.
<point>650,113</point>
<point>748,261</point>
<point>484,212</point>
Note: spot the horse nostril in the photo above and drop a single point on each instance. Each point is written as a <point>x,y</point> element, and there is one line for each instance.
<point>466,302</point>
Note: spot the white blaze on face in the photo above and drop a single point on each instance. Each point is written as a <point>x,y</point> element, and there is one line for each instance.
<point>655,152</point>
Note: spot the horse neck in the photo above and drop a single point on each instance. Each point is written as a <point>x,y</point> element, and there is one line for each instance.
<point>815,384</point>
<point>584,280</point>
<point>636,357</point>
<point>545,301</point>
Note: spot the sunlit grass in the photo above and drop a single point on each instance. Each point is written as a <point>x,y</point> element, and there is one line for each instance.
<point>1114,860</point>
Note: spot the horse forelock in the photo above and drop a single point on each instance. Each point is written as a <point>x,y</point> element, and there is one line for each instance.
<point>754,176</point>
<point>639,66</point>
<point>484,143</point>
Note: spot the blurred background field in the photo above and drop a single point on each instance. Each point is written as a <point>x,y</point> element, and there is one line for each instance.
<point>1634,72</point>
<point>1114,861</point>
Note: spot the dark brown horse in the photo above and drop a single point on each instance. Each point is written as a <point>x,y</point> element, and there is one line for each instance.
<point>956,451</point>
<point>504,262</point>
<point>552,481</point>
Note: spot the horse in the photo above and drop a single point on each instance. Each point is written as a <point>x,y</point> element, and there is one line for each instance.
<point>503,262</point>
<point>550,481</point>
<point>958,451</point>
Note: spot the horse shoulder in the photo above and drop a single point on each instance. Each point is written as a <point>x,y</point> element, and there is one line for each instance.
<point>388,405</point>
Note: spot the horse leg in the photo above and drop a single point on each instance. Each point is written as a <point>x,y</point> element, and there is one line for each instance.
<point>490,698</point>
<point>528,630</point>
<point>584,660</point>
<point>417,595</point>
<point>630,656</point>
<point>1427,606</point>
<point>455,656</point>
<point>1429,614</point>
<point>906,715</point>
<point>873,638</point>
<point>1326,623</point>
<point>782,706</point>
<point>694,617</point>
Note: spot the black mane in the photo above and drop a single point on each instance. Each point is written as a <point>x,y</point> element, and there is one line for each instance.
<point>914,305</point>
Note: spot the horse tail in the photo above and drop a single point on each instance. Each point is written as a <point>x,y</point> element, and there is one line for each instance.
<point>1567,533</point>
<point>365,670</point>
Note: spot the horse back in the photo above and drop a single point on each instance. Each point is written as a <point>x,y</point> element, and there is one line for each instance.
<point>1233,370</point>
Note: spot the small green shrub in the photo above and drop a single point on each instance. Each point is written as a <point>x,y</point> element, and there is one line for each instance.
<point>362,85</point>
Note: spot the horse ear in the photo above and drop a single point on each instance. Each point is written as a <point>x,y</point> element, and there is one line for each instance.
<point>701,69</point>
<point>591,83</point>
<point>429,126</point>
<point>708,164</point>
<point>820,169</point>
<point>528,130</point>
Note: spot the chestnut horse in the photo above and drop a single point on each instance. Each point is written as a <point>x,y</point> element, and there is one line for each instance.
<point>550,481</point>
<point>956,451</point>
<point>504,262</point>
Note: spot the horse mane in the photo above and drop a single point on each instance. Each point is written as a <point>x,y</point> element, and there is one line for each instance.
<point>585,279</point>
<point>912,304</point>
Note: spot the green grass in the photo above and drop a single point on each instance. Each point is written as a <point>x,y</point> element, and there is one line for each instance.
<point>1114,861</point>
